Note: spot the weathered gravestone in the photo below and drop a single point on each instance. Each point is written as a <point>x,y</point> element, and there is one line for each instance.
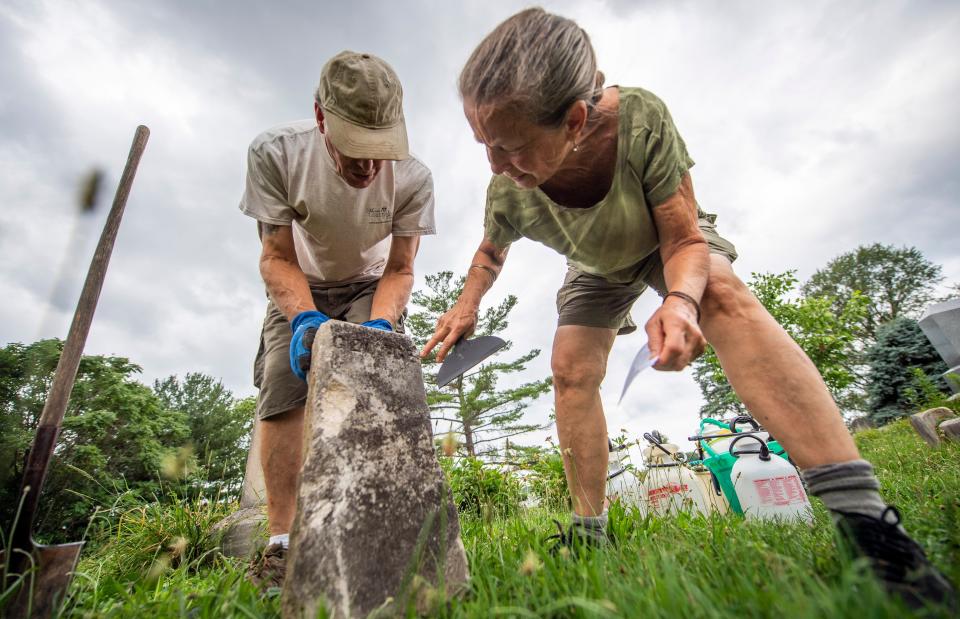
<point>376,526</point>
<point>861,423</point>
<point>950,429</point>
<point>245,530</point>
<point>926,423</point>
<point>941,324</point>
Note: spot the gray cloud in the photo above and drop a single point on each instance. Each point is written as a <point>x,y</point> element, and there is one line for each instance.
<point>815,127</point>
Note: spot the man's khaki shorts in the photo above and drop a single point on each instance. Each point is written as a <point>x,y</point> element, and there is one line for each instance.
<point>280,389</point>
<point>588,300</point>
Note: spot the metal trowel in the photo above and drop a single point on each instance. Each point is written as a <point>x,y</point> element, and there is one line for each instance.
<point>465,354</point>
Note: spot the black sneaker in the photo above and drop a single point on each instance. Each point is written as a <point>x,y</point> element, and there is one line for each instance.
<point>267,570</point>
<point>897,561</point>
<point>576,538</point>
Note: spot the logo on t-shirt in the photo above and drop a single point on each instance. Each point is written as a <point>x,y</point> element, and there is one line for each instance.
<point>379,214</point>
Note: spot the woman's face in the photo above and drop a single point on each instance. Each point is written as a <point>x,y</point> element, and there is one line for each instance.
<point>526,153</point>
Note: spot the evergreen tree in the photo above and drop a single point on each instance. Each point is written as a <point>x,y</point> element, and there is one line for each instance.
<point>900,351</point>
<point>478,413</point>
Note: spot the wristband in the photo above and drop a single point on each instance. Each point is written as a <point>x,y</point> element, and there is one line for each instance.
<point>685,297</point>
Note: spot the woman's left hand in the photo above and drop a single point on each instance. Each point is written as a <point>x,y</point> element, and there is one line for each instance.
<point>674,336</point>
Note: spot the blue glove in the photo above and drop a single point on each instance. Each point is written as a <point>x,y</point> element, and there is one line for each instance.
<point>380,323</point>
<point>304,327</point>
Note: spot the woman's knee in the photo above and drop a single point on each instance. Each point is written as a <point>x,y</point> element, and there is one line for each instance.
<point>726,296</point>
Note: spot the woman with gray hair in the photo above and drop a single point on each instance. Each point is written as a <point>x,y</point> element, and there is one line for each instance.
<point>602,176</point>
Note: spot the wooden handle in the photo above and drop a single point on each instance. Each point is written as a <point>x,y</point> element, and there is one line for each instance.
<point>66,373</point>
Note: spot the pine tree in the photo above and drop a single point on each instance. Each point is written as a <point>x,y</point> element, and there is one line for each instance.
<point>472,408</point>
<point>900,351</point>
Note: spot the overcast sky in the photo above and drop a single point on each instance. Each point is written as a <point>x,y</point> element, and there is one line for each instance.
<point>816,127</point>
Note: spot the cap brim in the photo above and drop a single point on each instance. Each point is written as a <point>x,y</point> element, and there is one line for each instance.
<point>363,143</point>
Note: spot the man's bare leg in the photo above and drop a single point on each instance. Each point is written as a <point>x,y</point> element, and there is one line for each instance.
<point>774,378</point>
<point>579,363</point>
<point>281,455</point>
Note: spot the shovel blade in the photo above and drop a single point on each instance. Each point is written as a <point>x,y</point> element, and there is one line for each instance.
<point>466,354</point>
<point>44,585</point>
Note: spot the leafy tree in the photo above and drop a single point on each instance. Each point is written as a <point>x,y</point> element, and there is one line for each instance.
<point>901,350</point>
<point>897,281</point>
<point>828,338</point>
<point>473,408</point>
<point>219,428</point>
<point>115,434</point>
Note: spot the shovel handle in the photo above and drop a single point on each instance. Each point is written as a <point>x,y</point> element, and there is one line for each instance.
<point>66,372</point>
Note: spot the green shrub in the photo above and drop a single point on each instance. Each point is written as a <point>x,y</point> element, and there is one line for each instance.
<point>548,482</point>
<point>137,539</point>
<point>926,394</point>
<point>483,490</point>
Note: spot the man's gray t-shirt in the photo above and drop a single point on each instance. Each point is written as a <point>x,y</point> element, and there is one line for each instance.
<point>341,234</point>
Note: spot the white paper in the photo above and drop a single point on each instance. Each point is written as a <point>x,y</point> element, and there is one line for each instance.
<point>642,361</point>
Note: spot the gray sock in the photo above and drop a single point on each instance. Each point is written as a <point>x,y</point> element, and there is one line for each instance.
<point>594,526</point>
<point>846,487</point>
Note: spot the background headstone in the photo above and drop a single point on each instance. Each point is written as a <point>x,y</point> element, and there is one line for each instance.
<point>254,487</point>
<point>862,423</point>
<point>941,324</point>
<point>950,429</point>
<point>926,423</point>
<point>245,529</point>
<point>376,526</point>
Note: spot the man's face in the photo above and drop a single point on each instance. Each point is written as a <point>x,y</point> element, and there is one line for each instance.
<point>358,173</point>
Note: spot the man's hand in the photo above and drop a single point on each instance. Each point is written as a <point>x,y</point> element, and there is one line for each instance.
<point>459,322</point>
<point>304,326</point>
<point>674,336</point>
<point>379,323</point>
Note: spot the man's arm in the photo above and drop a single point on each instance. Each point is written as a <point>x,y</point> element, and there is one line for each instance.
<point>396,283</point>
<point>673,330</point>
<point>461,320</point>
<point>281,271</point>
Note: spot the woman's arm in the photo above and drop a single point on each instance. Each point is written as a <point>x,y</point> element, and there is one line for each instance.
<point>461,319</point>
<point>673,332</point>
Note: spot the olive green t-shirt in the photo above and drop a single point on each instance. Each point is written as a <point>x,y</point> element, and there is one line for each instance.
<point>612,237</point>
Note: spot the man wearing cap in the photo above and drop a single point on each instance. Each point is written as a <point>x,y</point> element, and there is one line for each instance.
<point>340,206</point>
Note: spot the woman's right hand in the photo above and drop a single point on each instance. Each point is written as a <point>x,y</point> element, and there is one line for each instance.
<point>459,322</point>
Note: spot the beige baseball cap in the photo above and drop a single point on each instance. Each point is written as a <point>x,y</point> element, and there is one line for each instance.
<point>362,103</point>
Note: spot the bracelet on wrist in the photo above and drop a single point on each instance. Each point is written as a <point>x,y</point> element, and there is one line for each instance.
<point>685,297</point>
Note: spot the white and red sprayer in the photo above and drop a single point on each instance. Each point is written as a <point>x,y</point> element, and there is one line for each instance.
<point>768,487</point>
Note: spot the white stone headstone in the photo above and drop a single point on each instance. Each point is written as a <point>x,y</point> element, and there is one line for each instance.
<point>941,324</point>
<point>376,527</point>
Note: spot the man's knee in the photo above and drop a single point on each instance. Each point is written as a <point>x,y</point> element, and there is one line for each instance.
<point>285,420</point>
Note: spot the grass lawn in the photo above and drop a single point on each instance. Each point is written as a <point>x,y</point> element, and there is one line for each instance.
<point>677,567</point>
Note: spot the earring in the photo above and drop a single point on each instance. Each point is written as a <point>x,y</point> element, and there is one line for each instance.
<point>576,147</point>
